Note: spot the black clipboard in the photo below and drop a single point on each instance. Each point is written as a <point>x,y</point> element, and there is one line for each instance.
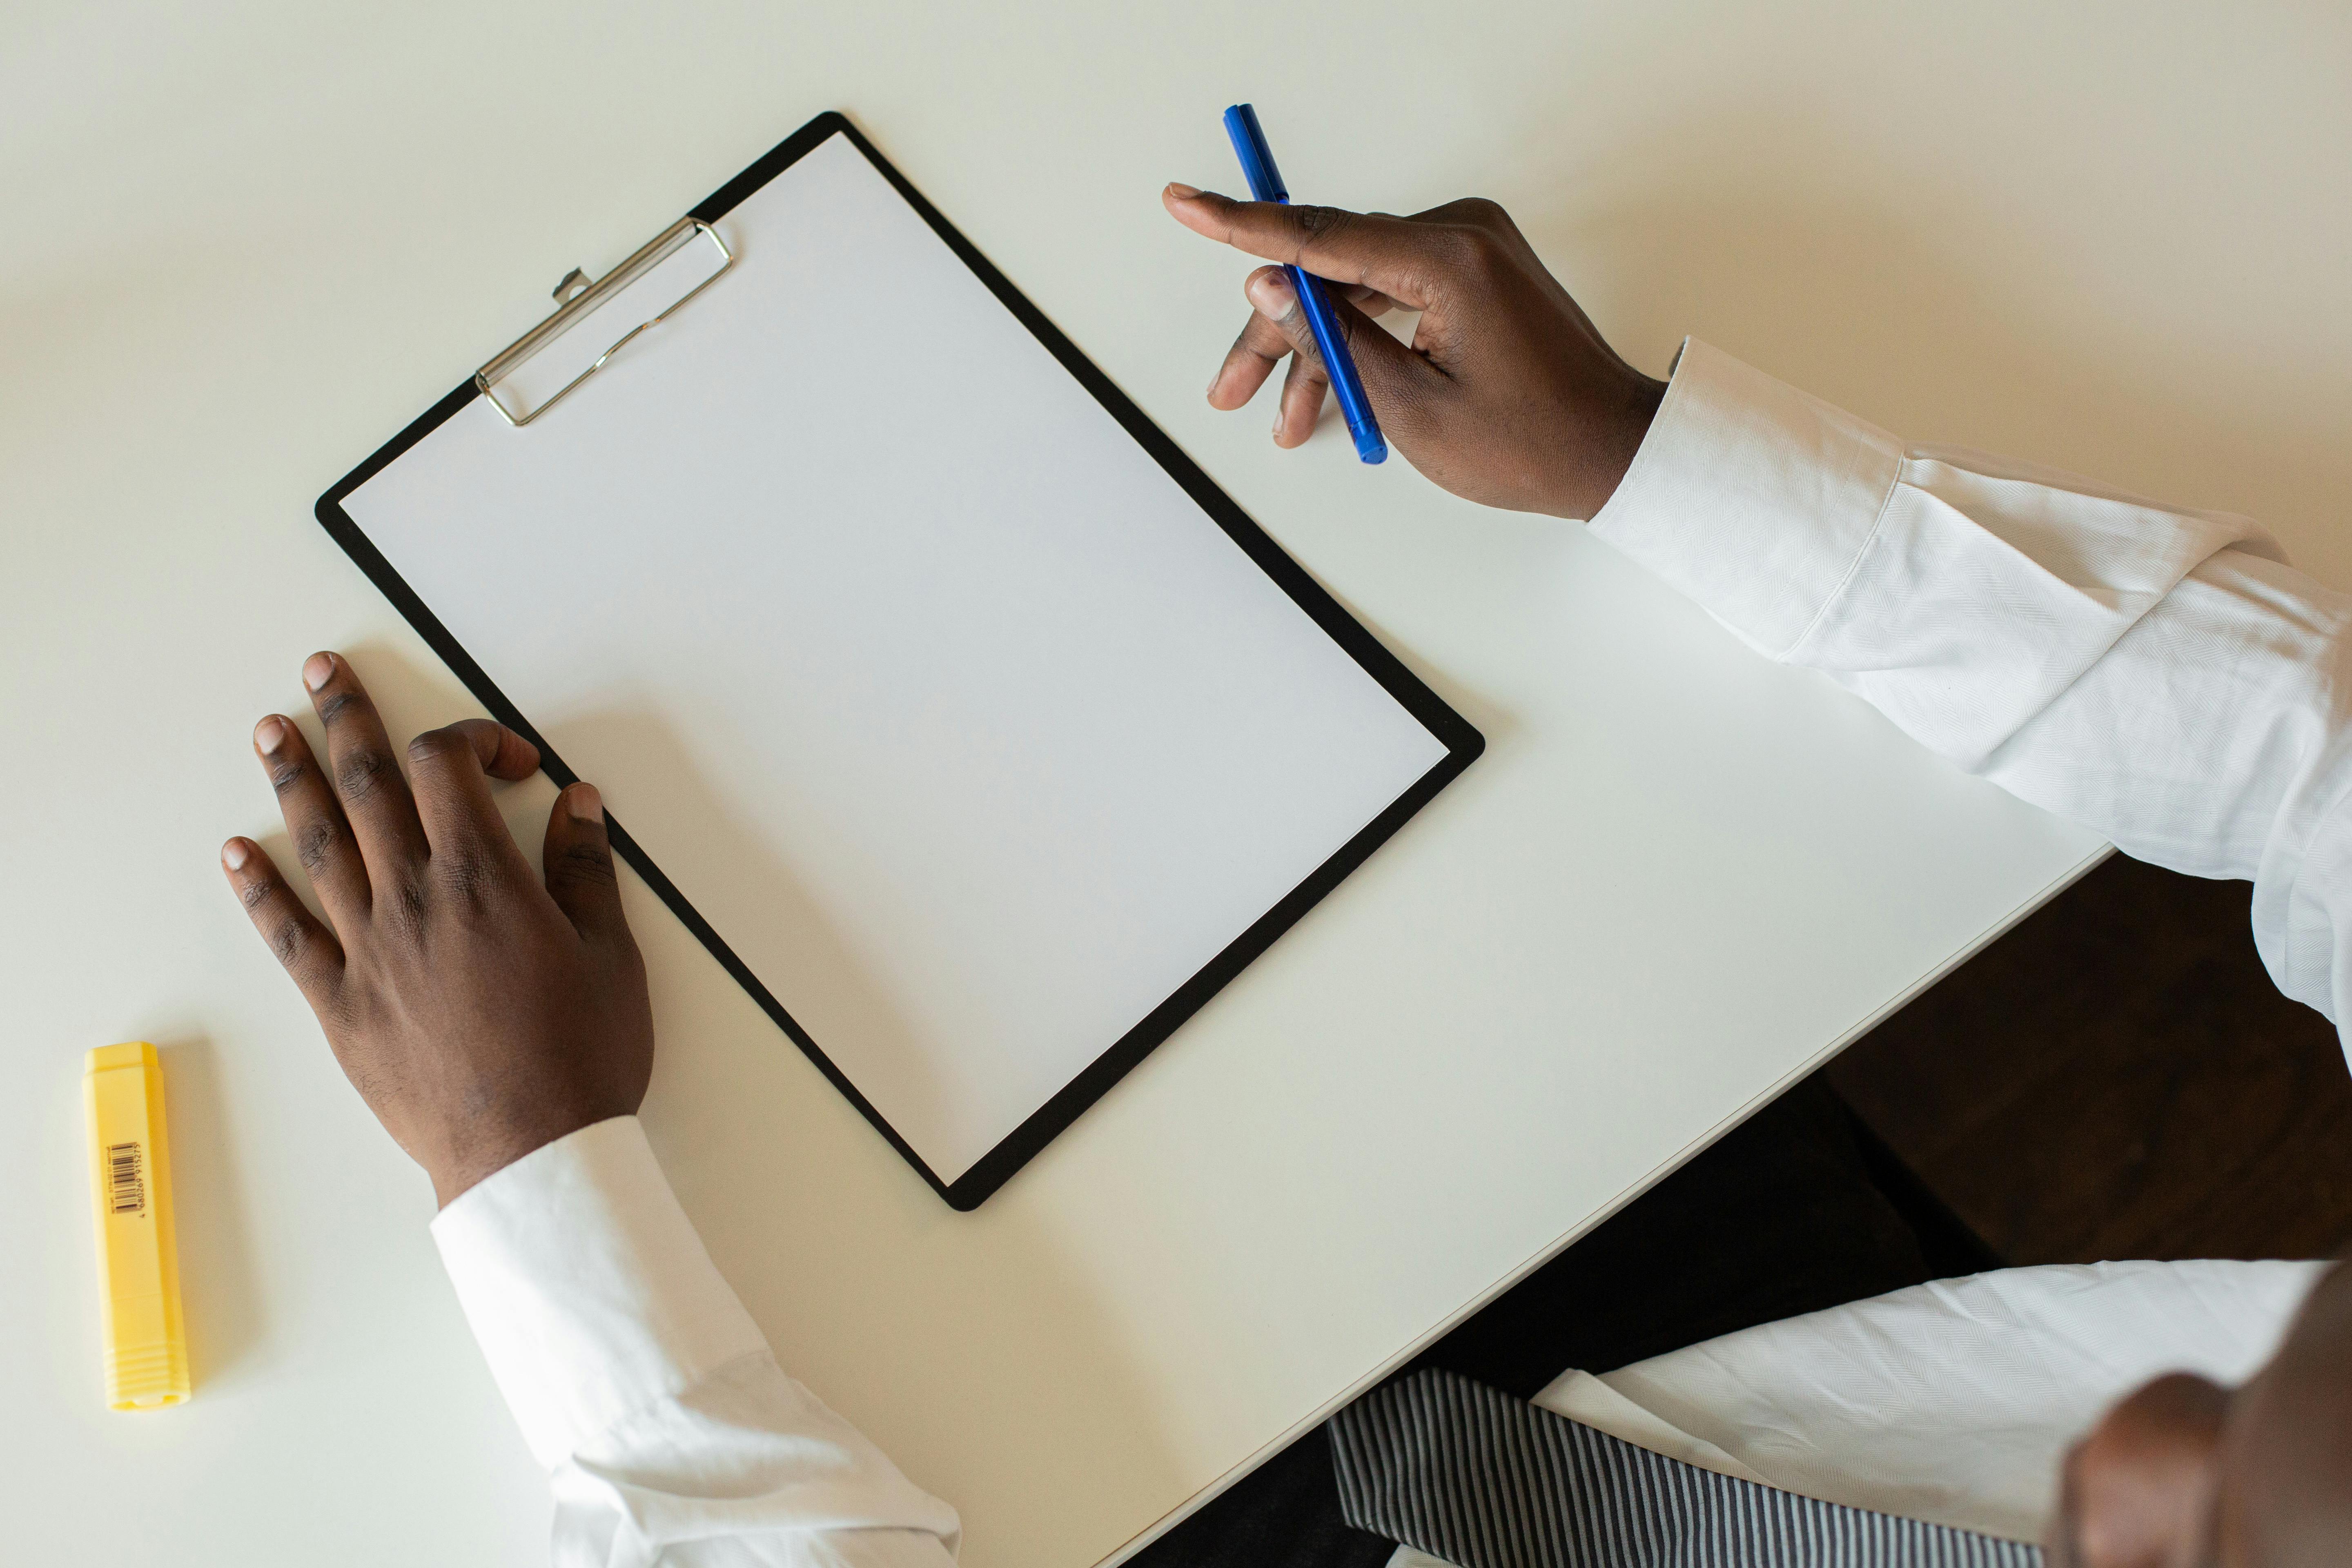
<point>1462,742</point>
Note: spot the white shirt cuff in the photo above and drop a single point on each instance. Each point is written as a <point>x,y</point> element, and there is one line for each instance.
<point>1750,497</point>
<point>589,1290</point>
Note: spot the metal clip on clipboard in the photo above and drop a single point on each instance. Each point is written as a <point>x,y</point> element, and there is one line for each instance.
<point>576,299</point>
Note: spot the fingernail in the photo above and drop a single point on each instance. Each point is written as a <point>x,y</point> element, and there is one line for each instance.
<point>1273,297</point>
<point>1280,416</point>
<point>583,801</point>
<point>1215,380</point>
<point>1182,192</point>
<point>270,734</point>
<point>318,670</point>
<point>234,854</point>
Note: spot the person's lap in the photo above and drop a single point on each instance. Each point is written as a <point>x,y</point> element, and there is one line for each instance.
<point>1796,1209</point>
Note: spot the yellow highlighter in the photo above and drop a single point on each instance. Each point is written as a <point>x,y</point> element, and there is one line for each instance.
<point>138,1263</point>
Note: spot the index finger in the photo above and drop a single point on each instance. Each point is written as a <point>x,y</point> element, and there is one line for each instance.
<point>1387,254</point>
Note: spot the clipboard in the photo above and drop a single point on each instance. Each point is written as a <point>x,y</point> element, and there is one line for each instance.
<point>982,753</point>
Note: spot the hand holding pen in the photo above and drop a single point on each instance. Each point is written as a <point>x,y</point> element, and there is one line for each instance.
<point>1507,394</point>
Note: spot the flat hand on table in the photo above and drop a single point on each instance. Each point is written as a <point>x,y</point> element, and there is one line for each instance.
<point>478,1013</point>
<point>1506,397</point>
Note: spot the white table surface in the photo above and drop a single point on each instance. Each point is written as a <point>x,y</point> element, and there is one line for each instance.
<point>244,243</point>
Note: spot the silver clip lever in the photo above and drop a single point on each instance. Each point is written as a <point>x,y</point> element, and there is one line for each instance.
<point>576,298</point>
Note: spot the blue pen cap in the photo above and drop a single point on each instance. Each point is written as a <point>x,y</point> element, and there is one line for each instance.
<point>1257,158</point>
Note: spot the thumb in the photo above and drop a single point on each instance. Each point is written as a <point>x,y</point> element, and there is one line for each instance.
<point>580,875</point>
<point>1396,379</point>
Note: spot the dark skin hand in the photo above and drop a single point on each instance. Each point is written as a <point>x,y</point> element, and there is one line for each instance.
<point>480,1012</point>
<point>2188,1474</point>
<point>1509,396</point>
<point>1506,397</point>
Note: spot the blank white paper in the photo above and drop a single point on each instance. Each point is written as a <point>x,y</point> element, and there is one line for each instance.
<point>967,731</point>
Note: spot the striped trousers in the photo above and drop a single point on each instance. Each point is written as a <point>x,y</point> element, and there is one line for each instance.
<point>1484,1480</point>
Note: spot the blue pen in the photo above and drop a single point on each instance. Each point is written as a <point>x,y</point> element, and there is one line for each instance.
<point>1266,186</point>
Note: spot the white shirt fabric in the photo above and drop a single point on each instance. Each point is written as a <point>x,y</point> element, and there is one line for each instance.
<point>2156,674</point>
<point>669,1431</point>
<point>1952,1401</point>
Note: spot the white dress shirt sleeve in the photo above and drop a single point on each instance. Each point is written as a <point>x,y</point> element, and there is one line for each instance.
<point>2156,674</point>
<point>670,1433</point>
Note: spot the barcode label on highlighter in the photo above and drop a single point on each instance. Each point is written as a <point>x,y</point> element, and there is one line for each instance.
<point>127,1178</point>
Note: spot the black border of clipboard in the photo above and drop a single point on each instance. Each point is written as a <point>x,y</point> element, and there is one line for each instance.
<point>1463,742</point>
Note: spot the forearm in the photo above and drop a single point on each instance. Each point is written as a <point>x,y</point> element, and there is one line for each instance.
<point>669,1432</point>
<point>2155,673</point>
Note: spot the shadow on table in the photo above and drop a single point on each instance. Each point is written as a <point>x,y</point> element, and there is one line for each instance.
<point>220,1290</point>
